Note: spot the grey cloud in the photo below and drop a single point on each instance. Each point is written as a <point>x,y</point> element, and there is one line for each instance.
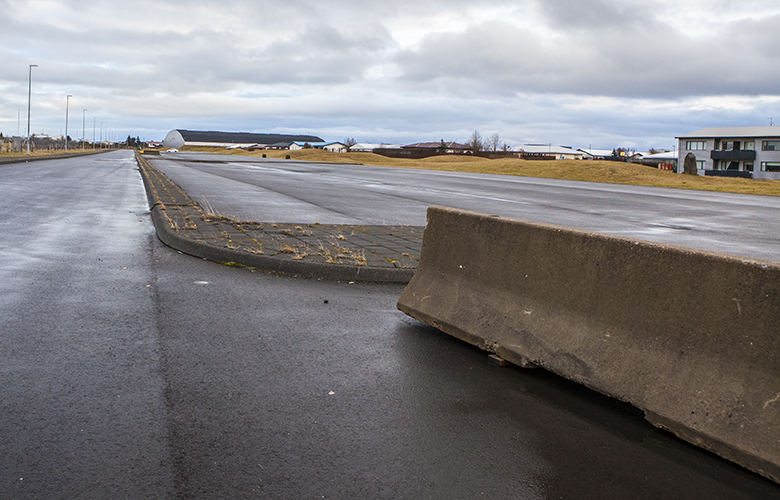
<point>645,61</point>
<point>317,55</point>
<point>589,14</point>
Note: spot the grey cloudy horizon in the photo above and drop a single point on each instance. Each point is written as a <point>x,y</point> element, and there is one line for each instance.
<point>587,73</point>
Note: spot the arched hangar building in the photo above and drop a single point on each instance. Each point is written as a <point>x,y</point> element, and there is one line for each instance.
<point>178,138</point>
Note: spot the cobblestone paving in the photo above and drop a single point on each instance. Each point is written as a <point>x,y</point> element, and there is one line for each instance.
<point>371,246</point>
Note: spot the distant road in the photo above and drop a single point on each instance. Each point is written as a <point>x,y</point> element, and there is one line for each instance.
<point>289,191</point>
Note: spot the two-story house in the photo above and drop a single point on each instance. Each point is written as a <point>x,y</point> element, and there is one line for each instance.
<point>739,151</point>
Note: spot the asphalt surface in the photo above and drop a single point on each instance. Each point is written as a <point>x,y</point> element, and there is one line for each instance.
<point>286,191</point>
<point>82,409</point>
<point>130,370</point>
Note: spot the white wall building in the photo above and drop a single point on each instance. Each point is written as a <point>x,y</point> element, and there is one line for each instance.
<point>178,138</point>
<point>367,147</point>
<point>559,152</point>
<point>733,151</point>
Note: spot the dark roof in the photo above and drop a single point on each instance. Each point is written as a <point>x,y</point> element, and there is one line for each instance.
<point>243,137</point>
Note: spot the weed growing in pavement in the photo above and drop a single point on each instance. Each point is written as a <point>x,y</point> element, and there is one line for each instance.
<point>208,209</point>
<point>360,259</point>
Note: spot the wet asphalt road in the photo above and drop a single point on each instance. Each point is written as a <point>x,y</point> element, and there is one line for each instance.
<point>285,191</point>
<point>132,371</point>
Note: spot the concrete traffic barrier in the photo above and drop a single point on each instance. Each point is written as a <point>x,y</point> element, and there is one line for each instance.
<point>692,338</point>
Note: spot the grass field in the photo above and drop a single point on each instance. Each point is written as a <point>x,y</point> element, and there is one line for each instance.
<point>577,170</point>
<point>44,152</point>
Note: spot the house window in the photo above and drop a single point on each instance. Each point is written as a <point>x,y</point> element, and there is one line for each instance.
<point>700,165</point>
<point>695,145</point>
<point>770,166</point>
<point>750,145</point>
<point>770,146</point>
<point>749,166</point>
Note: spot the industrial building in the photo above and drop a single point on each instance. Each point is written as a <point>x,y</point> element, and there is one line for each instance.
<point>178,138</point>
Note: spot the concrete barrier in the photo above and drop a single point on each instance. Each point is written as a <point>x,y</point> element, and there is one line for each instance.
<point>690,337</point>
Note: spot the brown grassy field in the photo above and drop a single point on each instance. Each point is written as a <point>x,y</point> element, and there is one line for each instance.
<point>577,170</point>
<point>44,152</point>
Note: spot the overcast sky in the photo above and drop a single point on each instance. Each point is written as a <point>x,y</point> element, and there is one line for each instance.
<point>584,73</point>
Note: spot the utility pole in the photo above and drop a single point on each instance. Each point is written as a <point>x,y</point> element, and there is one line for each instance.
<point>29,96</point>
<point>83,129</point>
<point>67,101</point>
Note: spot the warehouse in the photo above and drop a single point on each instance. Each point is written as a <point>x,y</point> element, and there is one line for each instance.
<point>178,138</point>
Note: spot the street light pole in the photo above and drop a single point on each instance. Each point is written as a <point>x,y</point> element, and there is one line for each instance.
<point>83,129</point>
<point>94,119</point>
<point>29,96</point>
<point>67,102</point>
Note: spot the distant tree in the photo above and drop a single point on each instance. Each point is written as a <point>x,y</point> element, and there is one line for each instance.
<point>493,142</point>
<point>442,147</point>
<point>506,148</point>
<point>306,145</point>
<point>349,142</point>
<point>475,143</point>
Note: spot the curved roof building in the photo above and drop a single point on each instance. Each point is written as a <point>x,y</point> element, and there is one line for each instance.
<point>178,138</point>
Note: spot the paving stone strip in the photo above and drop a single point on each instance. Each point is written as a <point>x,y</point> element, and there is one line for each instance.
<point>333,251</point>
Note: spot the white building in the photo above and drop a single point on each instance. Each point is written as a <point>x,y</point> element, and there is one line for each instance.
<point>559,152</point>
<point>178,138</point>
<point>733,151</point>
<point>334,147</point>
<point>367,147</point>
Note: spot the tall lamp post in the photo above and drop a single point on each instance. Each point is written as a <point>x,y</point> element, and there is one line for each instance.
<point>67,102</point>
<point>29,96</point>
<point>83,129</point>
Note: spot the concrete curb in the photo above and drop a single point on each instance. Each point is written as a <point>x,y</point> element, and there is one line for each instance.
<point>176,199</point>
<point>690,337</point>
<point>26,159</point>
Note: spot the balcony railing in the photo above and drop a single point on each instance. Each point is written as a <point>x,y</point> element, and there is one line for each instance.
<point>733,155</point>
